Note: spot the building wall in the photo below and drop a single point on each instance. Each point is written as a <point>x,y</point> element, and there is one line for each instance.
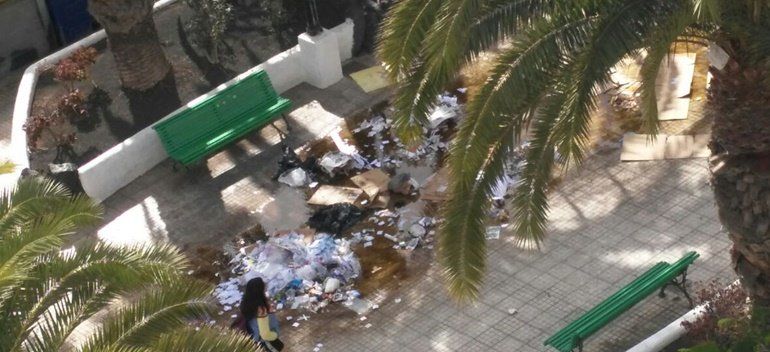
<point>21,28</point>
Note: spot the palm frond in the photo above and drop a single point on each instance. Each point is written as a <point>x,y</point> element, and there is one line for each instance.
<point>75,278</point>
<point>707,10</point>
<point>34,198</point>
<point>490,130</point>
<point>658,47</point>
<point>402,34</point>
<point>204,340</point>
<point>616,35</point>
<point>159,309</point>
<point>17,252</point>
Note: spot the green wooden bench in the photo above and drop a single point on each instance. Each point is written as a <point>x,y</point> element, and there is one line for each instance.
<point>213,123</point>
<point>660,276</point>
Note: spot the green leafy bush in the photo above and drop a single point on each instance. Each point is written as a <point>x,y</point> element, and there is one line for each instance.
<point>729,322</point>
<point>208,24</point>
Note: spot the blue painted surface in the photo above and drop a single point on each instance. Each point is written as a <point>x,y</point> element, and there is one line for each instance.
<point>71,19</point>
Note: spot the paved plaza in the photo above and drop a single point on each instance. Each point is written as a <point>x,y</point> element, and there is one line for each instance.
<point>610,222</point>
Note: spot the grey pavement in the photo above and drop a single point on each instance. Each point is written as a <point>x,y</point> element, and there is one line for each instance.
<point>232,191</point>
<point>610,222</point>
<point>8,88</point>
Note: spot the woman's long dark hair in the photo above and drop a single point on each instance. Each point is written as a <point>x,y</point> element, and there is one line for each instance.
<point>254,298</point>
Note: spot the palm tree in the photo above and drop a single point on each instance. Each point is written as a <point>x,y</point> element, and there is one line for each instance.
<point>546,81</point>
<point>133,39</point>
<point>94,297</point>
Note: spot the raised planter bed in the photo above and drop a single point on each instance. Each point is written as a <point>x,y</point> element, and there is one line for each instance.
<point>116,144</point>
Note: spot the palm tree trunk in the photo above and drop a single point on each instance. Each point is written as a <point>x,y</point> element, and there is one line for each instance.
<point>134,42</point>
<point>740,170</point>
<point>742,189</point>
<point>139,58</point>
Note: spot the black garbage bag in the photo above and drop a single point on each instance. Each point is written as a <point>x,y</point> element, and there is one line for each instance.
<point>335,218</point>
<point>289,160</point>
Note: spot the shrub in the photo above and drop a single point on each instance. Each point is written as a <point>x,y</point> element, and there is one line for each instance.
<point>72,106</point>
<point>208,24</point>
<point>52,124</point>
<point>75,67</point>
<point>729,323</point>
<point>720,302</point>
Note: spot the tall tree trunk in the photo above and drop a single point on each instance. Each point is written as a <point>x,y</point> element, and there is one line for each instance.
<point>742,189</point>
<point>134,41</point>
<point>740,170</point>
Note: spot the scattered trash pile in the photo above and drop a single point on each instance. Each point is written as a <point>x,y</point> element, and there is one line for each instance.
<point>412,229</point>
<point>297,272</point>
<point>504,189</point>
<point>309,269</point>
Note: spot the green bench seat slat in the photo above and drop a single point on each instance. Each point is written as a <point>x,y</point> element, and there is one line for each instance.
<point>656,277</point>
<point>223,137</point>
<point>211,124</point>
<point>566,335</point>
<point>248,116</point>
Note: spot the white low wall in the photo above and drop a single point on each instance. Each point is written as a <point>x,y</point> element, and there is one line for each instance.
<point>123,163</point>
<point>26,93</point>
<point>672,332</point>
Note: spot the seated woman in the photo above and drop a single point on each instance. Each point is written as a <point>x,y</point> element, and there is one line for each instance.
<point>259,315</point>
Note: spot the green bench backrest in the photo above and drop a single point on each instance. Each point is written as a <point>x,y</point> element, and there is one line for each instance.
<point>177,130</point>
<point>564,340</point>
<point>212,115</point>
<point>622,300</point>
<point>250,94</point>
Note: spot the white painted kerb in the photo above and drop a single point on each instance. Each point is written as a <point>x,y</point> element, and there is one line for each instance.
<point>26,93</point>
<point>120,165</point>
<point>669,334</point>
<point>673,331</point>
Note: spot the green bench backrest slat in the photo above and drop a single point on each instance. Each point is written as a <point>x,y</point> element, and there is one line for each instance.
<point>226,115</point>
<point>178,131</point>
<point>567,334</point>
<point>591,321</point>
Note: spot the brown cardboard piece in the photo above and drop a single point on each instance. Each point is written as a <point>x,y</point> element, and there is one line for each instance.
<point>638,147</point>
<point>436,187</point>
<point>679,147</point>
<point>700,148</point>
<point>673,86</point>
<point>381,202</point>
<point>328,195</point>
<point>372,182</point>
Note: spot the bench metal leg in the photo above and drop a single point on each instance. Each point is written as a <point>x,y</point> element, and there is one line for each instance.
<point>680,284</point>
<point>281,134</point>
<point>286,121</point>
<point>579,344</point>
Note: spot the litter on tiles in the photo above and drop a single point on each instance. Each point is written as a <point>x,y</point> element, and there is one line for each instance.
<point>364,194</point>
<point>297,272</point>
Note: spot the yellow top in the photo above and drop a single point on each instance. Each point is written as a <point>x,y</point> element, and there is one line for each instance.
<point>264,329</point>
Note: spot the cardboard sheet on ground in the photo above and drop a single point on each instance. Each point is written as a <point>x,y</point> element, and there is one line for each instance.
<point>372,182</point>
<point>436,187</point>
<point>700,147</point>
<point>328,195</point>
<point>371,79</point>
<point>638,147</point>
<point>673,86</point>
<point>679,147</point>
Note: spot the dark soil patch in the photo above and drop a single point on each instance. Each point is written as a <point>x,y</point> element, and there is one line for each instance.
<point>117,114</point>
